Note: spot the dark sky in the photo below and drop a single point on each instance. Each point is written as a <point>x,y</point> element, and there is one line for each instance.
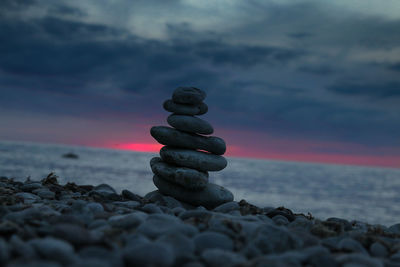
<point>302,80</point>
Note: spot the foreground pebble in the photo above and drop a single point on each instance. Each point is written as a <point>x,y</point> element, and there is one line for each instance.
<point>96,226</point>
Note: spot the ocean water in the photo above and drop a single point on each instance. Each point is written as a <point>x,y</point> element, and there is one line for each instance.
<point>325,190</point>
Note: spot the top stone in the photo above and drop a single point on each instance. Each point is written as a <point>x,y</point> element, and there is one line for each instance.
<point>188,95</point>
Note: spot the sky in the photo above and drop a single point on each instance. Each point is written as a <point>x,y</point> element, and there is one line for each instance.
<point>287,80</point>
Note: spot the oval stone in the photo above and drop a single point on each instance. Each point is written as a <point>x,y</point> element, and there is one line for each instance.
<point>172,137</point>
<point>198,160</point>
<point>190,124</point>
<point>183,109</point>
<point>188,178</point>
<point>210,197</point>
<point>188,95</point>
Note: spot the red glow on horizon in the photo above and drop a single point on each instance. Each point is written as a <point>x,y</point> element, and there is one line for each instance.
<point>238,151</point>
<point>140,147</point>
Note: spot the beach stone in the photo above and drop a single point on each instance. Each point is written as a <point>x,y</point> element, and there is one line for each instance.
<point>106,256</point>
<point>4,251</point>
<point>190,124</point>
<point>127,221</point>
<point>345,223</point>
<point>21,248</point>
<point>74,234</point>
<point>208,240</point>
<point>358,259</point>
<point>129,195</point>
<point>198,160</point>
<point>182,246</point>
<point>33,263</point>
<point>378,250</point>
<point>350,245</point>
<point>188,95</point>
<point>182,109</point>
<point>105,191</point>
<point>172,137</point>
<point>149,254</point>
<point>189,178</point>
<point>44,193</point>
<point>217,257</point>
<point>27,198</point>
<point>210,197</point>
<point>157,225</point>
<point>29,187</point>
<point>395,228</point>
<point>227,207</point>
<point>151,208</point>
<point>280,220</point>
<point>53,249</point>
<point>95,207</point>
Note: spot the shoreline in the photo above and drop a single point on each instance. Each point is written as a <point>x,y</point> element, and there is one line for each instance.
<point>45,223</point>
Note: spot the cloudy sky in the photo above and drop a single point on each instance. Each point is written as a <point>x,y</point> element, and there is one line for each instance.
<point>291,80</point>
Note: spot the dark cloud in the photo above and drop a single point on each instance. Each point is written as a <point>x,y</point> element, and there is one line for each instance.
<point>65,66</point>
<point>372,89</point>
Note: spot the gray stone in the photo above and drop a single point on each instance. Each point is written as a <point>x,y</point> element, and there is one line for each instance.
<point>218,257</point>
<point>198,160</point>
<point>183,109</point>
<point>127,204</point>
<point>27,198</point>
<point>191,124</point>
<point>53,249</point>
<point>95,207</point>
<point>351,245</point>
<point>105,191</point>
<point>175,138</point>
<point>74,234</point>
<point>33,263</point>
<point>395,228</point>
<point>227,207</point>
<point>44,193</point>
<point>129,195</point>
<point>4,251</point>
<point>345,223</point>
<point>149,254</point>
<point>208,240</point>
<point>108,257</point>
<point>378,250</point>
<point>29,187</point>
<point>127,221</point>
<point>210,197</point>
<point>189,178</point>
<point>182,246</point>
<point>188,95</point>
<point>151,208</point>
<point>271,238</point>
<point>157,225</point>
<point>21,248</point>
<point>358,259</point>
<point>280,220</point>
<point>301,223</point>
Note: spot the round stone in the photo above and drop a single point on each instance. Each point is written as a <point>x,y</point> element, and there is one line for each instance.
<point>198,160</point>
<point>210,197</point>
<point>190,124</point>
<point>184,109</point>
<point>171,137</point>
<point>188,95</point>
<point>188,178</point>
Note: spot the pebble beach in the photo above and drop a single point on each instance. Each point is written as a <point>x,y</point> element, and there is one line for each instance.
<point>44,223</point>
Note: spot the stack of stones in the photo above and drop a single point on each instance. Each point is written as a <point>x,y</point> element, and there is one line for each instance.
<point>188,155</point>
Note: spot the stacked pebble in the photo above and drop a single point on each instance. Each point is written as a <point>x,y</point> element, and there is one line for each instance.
<point>182,170</point>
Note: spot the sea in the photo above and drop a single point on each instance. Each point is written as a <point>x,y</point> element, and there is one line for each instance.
<point>367,194</point>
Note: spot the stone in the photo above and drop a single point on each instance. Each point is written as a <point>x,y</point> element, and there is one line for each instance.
<point>74,234</point>
<point>27,198</point>
<point>4,251</point>
<point>198,160</point>
<point>151,208</point>
<point>351,245</point>
<point>378,250</point>
<point>182,109</point>
<point>280,220</point>
<point>395,228</point>
<point>188,95</point>
<point>210,197</point>
<point>345,223</point>
<point>358,259</point>
<point>182,245</point>
<point>127,221</point>
<point>157,225</point>
<point>29,187</point>
<point>171,137</point>
<point>189,178</point>
<point>227,207</point>
<point>129,195</point>
<point>44,193</point>
<point>191,124</point>
<point>209,240</point>
<point>218,257</point>
<point>105,190</point>
<point>53,249</point>
<point>149,254</point>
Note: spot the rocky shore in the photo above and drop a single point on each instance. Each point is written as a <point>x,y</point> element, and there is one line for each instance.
<point>44,223</point>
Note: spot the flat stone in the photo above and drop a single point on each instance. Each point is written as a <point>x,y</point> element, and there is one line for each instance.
<point>210,197</point>
<point>188,95</point>
<point>218,257</point>
<point>198,160</point>
<point>183,109</point>
<point>172,137</point>
<point>210,240</point>
<point>190,124</point>
<point>53,249</point>
<point>149,254</point>
<point>189,178</point>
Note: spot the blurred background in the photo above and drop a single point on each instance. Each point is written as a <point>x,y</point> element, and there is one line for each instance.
<point>286,82</point>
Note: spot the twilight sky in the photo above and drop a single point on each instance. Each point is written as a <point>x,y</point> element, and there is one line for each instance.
<point>289,80</point>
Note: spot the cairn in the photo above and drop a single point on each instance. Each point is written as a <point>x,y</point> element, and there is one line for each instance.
<point>188,155</point>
